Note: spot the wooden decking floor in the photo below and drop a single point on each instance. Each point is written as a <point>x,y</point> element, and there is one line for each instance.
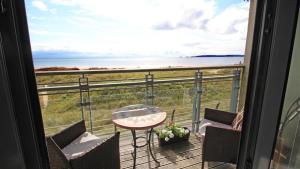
<point>177,156</point>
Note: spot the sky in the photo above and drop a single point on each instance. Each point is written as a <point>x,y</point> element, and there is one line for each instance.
<point>162,28</point>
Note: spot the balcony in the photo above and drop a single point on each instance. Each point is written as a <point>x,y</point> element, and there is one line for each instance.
<point>69,96</point>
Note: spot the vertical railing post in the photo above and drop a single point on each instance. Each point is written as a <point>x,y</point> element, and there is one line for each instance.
<point>82,100</point>
<point>197,101</point>
<point>85,99</point>
<point>235,90</point>
<point>149,79</point>
<point>44,97</point>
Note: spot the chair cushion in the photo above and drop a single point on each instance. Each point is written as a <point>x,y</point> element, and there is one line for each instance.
<point>204,123</point>
<point>81,145</point>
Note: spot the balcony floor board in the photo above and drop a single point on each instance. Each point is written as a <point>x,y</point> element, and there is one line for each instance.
<point>177,156</point>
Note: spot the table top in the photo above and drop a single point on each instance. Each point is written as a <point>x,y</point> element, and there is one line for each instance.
<point>138,117</point>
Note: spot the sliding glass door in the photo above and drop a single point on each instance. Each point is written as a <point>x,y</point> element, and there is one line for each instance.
<point>271,129</point>
<point>287,150</point>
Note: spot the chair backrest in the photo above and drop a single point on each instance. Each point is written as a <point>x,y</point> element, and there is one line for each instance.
<point>69,134</point>
<point>57,159</point>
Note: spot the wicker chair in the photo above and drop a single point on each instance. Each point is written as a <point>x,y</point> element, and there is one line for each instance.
<point>74,148</point>
<point>220,139</point>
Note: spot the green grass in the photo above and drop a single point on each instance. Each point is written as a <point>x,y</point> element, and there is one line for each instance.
<point>64,109</point>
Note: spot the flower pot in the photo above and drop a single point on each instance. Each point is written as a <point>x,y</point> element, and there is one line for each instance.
<point>175,139</point>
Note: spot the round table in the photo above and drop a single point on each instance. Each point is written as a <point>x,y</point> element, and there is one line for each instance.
<point>139,117</point>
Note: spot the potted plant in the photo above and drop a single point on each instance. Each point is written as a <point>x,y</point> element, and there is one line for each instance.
<point>172,133</point>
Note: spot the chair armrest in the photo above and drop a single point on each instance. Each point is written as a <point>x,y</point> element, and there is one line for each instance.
<point>69,134</point>
<point>104,156</point>
<point>221,144</point>
<point>219,116</point>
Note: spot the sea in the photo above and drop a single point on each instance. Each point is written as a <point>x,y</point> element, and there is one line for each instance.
<point>135,62</point>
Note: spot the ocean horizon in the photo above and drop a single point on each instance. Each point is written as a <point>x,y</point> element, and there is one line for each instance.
<point>87,61</point>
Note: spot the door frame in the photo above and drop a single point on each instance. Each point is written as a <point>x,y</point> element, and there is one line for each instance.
<point>266,85</point>
<point>271,53</point>
<point>17,65</point>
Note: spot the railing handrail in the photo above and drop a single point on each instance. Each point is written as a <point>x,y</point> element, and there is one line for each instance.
<point>91,86</point>
<point>104,71</point>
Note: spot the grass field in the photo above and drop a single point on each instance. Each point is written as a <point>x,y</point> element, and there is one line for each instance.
<point>60,110</point>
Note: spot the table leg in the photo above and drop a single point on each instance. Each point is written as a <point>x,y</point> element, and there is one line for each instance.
<point>134,148</point>
<point>149,145</point>
<point>115,128</point>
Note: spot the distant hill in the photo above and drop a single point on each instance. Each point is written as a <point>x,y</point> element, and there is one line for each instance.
<point>218,56</point>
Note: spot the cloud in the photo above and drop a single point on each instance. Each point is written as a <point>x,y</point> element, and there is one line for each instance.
<point>53,11</point>
<point>191,27</point>
<point>192,16</point>
<point>37,18</point>
<point>154,13</point>
<point>50,47</point>
<point>65,2</point>
<point>39,32</point>
<point>193,44</point>
<point>233,19</point>
<point>164,26</point>
<point>49,33</point>
<point>40,5</point>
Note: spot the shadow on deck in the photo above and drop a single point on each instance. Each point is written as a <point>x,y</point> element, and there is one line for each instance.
<point>181,155</point>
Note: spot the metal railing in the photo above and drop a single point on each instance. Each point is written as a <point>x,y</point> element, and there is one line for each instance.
<point>67,96</point>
